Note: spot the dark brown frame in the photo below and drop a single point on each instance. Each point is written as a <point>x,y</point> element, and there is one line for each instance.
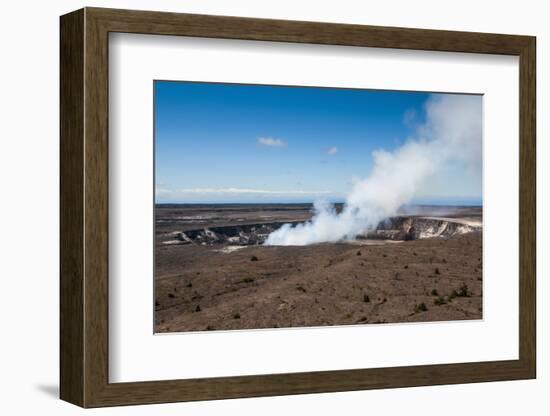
<point>84,208</point>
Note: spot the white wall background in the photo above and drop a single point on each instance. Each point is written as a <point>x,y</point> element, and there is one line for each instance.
<point>29,210</point>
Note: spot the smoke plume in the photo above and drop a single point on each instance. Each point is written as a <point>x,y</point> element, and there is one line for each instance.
<point>451,133</point>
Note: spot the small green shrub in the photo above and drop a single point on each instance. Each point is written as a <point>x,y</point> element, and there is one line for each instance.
<point>440,301</point>
<point>421,307</point>
<point>463,292</point>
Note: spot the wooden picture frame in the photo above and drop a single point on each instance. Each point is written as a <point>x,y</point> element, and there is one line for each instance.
<point>84,207</point>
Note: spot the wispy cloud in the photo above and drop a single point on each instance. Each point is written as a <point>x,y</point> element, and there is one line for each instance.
<point>331,150</point>
<point>271,142</point>
<point>164,191</point>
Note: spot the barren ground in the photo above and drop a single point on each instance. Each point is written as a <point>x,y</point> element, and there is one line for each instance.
<point>213,287</point>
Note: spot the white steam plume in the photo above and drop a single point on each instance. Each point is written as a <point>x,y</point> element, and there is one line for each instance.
<point>451,133</point>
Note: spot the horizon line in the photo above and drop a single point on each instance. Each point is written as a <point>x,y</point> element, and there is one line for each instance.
<point>443,204</point>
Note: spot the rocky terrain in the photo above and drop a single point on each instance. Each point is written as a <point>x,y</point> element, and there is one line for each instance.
<point>212,271</point>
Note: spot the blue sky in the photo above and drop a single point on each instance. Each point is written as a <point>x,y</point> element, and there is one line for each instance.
<point>249,143</point>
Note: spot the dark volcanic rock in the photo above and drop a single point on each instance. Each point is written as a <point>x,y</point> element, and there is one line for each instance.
<point>243,235</point>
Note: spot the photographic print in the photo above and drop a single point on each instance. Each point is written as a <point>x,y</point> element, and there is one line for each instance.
<point>290,206</point>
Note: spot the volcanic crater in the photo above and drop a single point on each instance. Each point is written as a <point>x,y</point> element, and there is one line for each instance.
<point>399,228</point>
<point>213,272</point>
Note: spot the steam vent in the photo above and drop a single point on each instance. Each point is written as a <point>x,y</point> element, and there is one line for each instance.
<point>399,228</point>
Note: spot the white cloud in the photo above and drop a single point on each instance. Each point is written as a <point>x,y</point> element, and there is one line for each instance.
<point>271,142</point>
<point>243,191</point>
<point>331,150</point>
<point>182,195</point>
<point>163,191</point>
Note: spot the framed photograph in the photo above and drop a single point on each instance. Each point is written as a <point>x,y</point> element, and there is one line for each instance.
<point>255,207</point>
